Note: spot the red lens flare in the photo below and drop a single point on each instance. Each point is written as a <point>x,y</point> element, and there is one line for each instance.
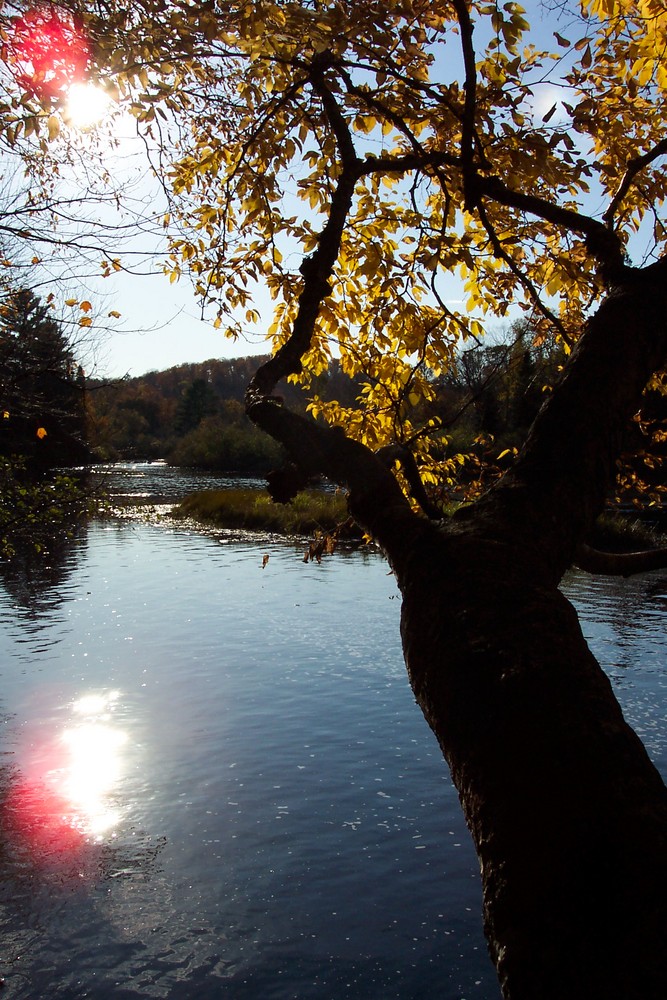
<point>48,52</point>
<point>63,802</point>
<point>41,821</point>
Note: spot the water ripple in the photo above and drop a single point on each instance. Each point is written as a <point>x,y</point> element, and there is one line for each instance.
<point>283,824</point>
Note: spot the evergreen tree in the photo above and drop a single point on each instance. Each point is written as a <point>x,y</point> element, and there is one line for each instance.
<point>198,401</point>
<point>42,390</point>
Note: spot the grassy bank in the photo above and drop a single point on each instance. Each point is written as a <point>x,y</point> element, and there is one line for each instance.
<point>619,533</point>
<point>312,510</point>
<point>253,510</point>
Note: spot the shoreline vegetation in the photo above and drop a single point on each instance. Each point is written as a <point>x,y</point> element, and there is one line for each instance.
<point>253,510</point>
<point>315,511</point>
<point>620,532</point>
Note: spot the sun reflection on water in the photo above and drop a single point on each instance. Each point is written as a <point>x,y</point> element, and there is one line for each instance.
<point>94,764</point>
<point>68,795</point>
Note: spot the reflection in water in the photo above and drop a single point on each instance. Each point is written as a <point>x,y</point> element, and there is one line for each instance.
<point>95,764</point>
<point>157,482</point>
<point>624,623</point>
<point>59,852</point>
<point>67,797</point>
<point>39,824</point>
<point>41,566</point>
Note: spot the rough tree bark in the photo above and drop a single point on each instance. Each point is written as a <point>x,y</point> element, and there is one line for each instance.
<point>568,814</point>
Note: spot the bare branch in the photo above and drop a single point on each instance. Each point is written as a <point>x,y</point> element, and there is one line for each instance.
<point>634,166</point>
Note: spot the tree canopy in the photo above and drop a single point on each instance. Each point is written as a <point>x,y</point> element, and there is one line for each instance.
<point>451,164</point>
<point>447,166</point>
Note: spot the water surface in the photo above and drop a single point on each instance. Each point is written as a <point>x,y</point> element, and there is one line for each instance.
<point>272,816</point>
<point>216,782</point>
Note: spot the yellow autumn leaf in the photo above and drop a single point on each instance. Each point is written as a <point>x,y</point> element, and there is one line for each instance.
<point>41,433</point>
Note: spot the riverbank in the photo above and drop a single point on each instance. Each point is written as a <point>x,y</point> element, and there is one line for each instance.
<point>315,511</point>
<point>158,493</point>
<point>619,533</point>
<point>253,510</point>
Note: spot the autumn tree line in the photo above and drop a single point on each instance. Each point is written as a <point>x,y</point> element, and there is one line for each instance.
<point>193,415</point>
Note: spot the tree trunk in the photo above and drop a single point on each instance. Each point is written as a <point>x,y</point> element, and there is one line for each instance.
<point>568,814</point>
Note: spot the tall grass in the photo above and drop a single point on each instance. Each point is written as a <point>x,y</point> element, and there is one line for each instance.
<point>254,510</point>
<point>614,532</point>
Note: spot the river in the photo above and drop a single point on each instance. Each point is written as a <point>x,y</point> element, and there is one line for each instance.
<point>216,782</point>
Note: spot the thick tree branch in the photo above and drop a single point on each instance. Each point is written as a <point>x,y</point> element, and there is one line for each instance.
<point>624,343</point>
<point>401,453</point>
<point>376,500</point>
<point>619,563</point>
<point>406,163</point>
<point>603,244</point>
<point>470,174</point>
<point>317,268</point>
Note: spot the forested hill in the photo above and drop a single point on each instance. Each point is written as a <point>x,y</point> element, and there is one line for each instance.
<point>193,414</point>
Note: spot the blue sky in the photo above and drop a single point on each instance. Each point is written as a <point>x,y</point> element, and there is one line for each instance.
<point>160,327</point>
<point>160,323</point>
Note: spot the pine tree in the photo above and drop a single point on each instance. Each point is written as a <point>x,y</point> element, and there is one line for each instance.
<point>42,391</point>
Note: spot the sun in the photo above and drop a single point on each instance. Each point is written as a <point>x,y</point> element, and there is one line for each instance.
<point>49,55</point>
<point>86,105</point>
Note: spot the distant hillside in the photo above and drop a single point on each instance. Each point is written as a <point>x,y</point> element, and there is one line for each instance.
<point>193,415</point>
